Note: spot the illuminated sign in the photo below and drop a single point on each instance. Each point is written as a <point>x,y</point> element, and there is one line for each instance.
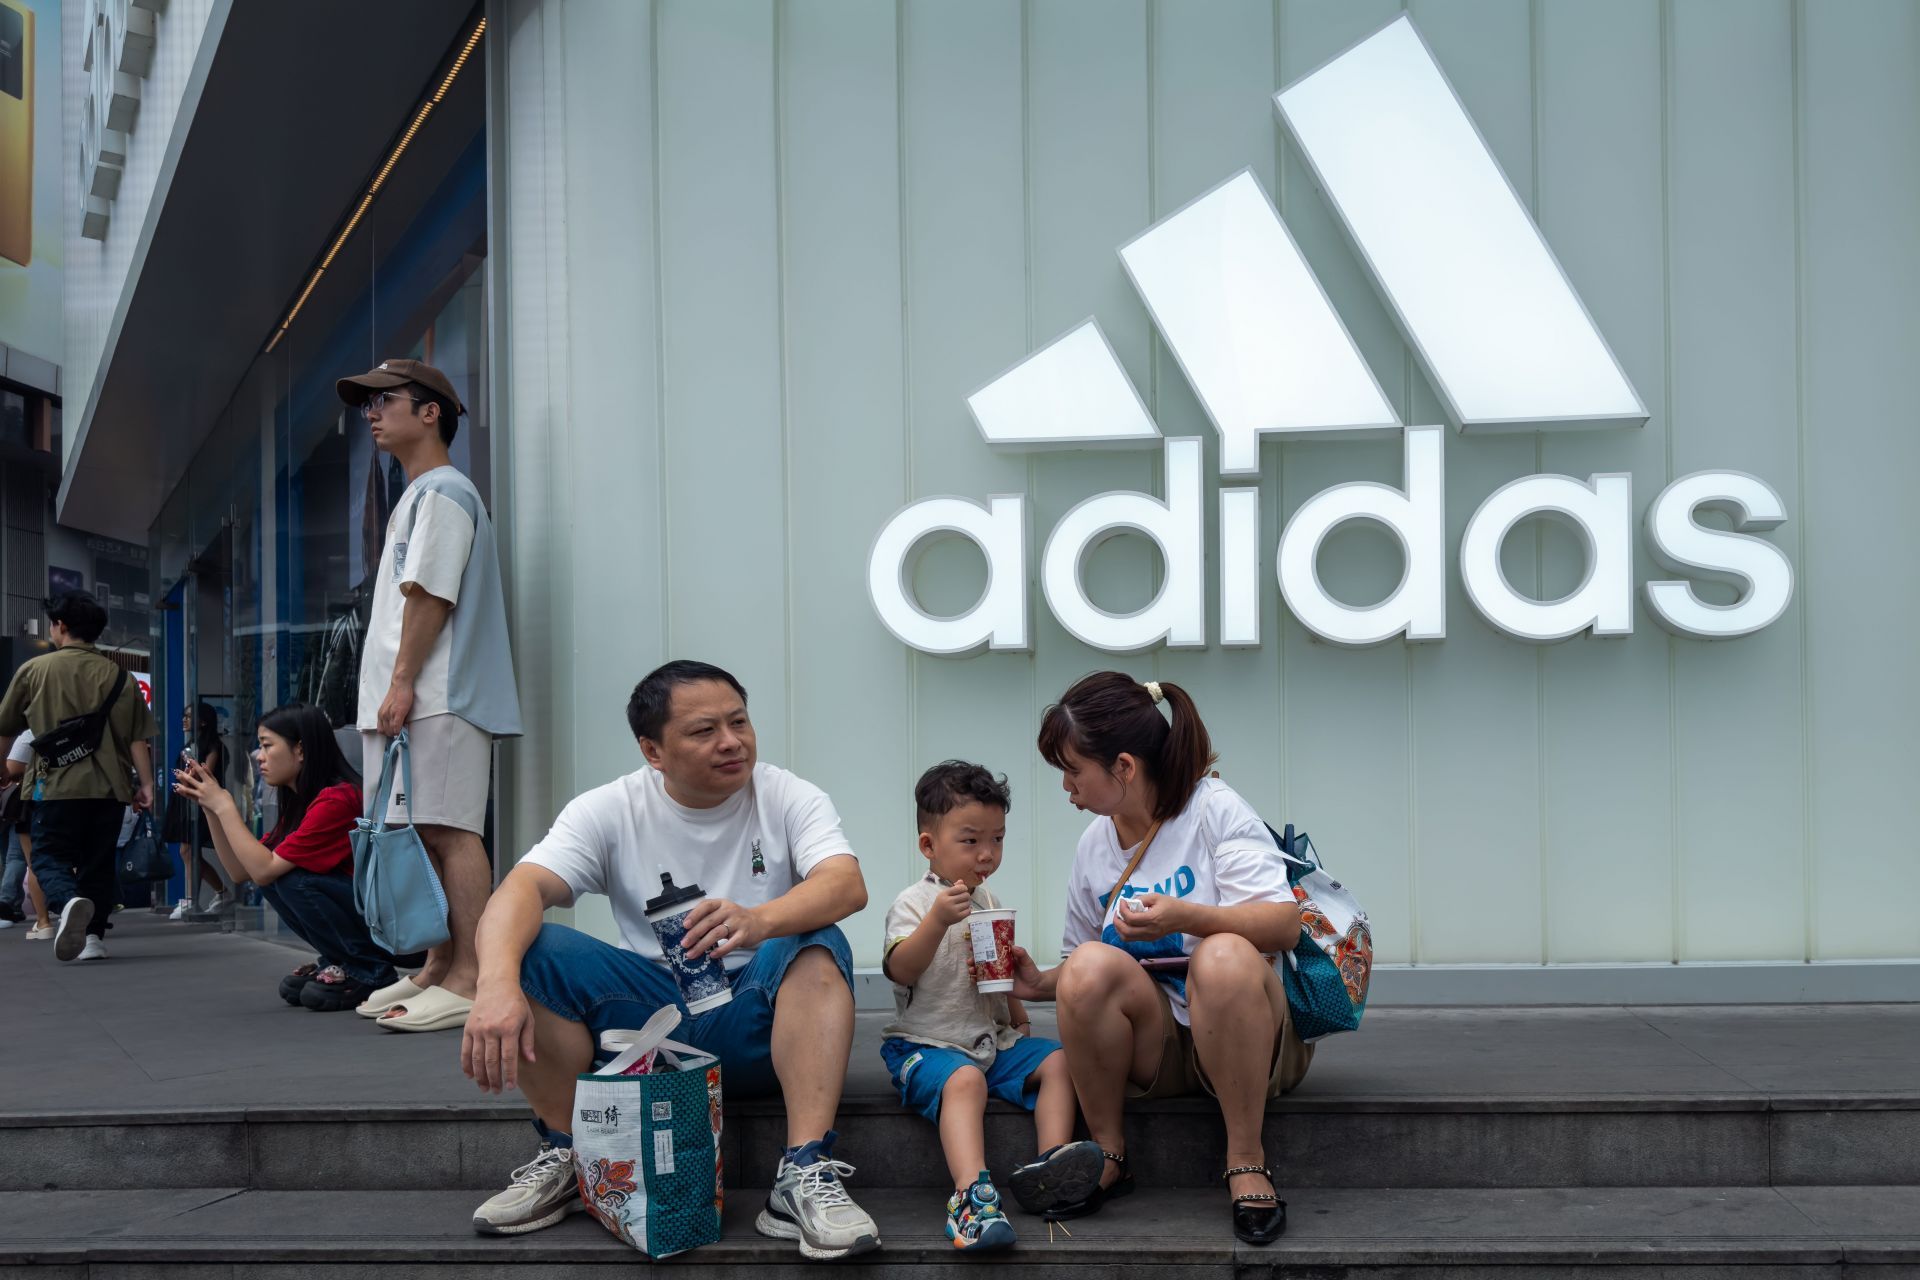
<point>1505,342</point>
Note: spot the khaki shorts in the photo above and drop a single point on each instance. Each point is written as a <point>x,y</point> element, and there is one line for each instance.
<point>452,764</point>
<point>1179,1070</point>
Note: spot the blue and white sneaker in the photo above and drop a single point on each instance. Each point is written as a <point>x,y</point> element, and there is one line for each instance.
<point>974,1219</point>
<point>810,1204</point>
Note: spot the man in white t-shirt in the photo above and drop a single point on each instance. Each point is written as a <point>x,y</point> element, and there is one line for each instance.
<point>436,663</point>
<point>766,849</point>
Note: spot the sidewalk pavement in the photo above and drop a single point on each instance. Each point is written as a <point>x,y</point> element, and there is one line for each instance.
<point>183,1017</point>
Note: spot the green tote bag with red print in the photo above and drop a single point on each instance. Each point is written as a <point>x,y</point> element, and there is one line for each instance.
<point>646,1139</point>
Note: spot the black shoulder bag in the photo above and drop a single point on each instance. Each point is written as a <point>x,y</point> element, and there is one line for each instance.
<point>76,738</point>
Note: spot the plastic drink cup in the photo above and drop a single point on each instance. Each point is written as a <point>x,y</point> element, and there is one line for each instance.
<point>702,982</point>
<point>992,935</point>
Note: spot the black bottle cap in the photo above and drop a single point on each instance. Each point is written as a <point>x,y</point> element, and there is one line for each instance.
<point>672,895</point>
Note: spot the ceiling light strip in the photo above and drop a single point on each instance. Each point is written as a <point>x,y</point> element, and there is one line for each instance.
<point>379,180</point>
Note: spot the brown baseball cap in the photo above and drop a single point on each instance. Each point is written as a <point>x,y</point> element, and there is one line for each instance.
<point>397,373</point>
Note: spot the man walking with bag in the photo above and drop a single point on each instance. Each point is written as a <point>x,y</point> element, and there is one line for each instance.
<point>90,727</point>
<point>436,664</point>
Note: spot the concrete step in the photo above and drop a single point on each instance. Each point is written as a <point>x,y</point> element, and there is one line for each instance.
<point>1591,1232</point>
<point>1321,1141</point>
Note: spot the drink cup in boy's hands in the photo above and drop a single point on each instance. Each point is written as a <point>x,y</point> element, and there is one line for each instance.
<point>992,937</point>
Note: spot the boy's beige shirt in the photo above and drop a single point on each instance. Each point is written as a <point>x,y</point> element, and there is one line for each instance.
<point>942,1009</point>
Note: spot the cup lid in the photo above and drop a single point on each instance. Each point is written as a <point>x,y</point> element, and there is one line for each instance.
<point>672,895</point>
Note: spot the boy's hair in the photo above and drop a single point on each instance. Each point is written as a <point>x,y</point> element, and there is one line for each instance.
<point>952,783</point>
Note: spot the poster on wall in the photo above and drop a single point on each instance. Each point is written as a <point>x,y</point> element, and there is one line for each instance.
<point>61,582</point>
<point>32,248</point>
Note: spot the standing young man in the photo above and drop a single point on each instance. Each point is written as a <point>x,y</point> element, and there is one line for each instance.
<point>436,663</point>
<point>78,804</point>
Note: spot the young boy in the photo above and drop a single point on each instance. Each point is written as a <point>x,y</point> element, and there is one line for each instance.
<point>949,1047</point>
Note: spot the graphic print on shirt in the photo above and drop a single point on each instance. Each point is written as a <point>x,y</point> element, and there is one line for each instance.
<point>1173,946</point>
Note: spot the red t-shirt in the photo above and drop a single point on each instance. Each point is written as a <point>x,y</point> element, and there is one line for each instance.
<point>320,842</point>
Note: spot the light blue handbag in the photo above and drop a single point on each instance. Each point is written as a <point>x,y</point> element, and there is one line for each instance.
<point>394,884</point>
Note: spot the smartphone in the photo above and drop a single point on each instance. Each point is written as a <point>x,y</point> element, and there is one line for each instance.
<point>1174,965</point>
<point>16,132</point>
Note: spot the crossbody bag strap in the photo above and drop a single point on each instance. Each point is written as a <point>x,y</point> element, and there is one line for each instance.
<point>1138,853</point>
<point>113,694</point>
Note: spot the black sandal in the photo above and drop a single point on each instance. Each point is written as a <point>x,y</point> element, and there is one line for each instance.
<point>1258,1217</point>
<point>294,983</point>
<point>1121,1186</point>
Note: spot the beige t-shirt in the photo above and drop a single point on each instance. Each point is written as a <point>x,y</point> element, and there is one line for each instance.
<point>943,1009</point>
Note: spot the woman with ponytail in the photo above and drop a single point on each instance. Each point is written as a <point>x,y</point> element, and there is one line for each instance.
<point>1177,908</point>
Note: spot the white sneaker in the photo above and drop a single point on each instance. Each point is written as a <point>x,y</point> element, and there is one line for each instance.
<point>220,902</point>
<point>40,933</point>
<point>180,911</point>
<point>96,949</point>
<point>541,1193</point>
<point>70,932</point>
<point>5,923</point>
<point>810,1204</point>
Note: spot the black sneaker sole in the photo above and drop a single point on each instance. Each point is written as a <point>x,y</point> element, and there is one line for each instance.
<point>1067,1176</point>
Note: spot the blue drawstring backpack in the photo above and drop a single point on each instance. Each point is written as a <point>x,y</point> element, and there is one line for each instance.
<point>1327,972</point>
<point>394,884</point>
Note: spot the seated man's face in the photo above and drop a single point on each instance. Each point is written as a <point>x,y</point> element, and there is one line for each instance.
<point>707,749</point>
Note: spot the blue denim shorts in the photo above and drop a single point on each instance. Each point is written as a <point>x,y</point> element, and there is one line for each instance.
<point>920,1072</point>
<point>604,987</point>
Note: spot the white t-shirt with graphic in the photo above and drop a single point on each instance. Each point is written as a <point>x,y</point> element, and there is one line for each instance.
<point>1216,852</point>
<point>618,839</point>
<point>433,557</point>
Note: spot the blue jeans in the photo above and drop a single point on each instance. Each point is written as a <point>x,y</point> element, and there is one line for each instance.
<point>320,909</point>
<point>14,878</point>
<point>605,987</point>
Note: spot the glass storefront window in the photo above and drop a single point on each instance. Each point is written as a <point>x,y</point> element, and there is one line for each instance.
<point>263,556</point>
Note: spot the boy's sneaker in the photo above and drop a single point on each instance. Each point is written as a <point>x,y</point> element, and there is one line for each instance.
<point>96,949</point>
<point>974,1220</point>
<point>810,1204</point>
<point>541,1192</point>
<point>70,933</point>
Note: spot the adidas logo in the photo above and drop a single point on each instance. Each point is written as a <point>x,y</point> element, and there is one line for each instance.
<point>1505,343</point>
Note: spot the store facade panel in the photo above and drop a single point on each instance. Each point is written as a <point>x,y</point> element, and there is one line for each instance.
<point>719,282</point>
<point>758,256</point>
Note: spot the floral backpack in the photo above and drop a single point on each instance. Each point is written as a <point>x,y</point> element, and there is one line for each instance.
<point>1326,973</point>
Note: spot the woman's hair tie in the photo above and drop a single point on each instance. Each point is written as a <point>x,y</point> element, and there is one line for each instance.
<point>1153,691</point>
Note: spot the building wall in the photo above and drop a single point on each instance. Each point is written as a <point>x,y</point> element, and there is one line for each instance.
<point>97,269</point>
<point>757,253</point>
